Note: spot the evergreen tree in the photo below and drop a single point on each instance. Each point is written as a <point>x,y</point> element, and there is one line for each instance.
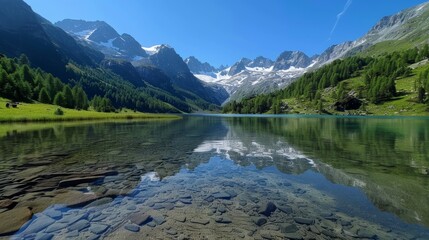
<point>60,100</point>
<point>69,98</point>
<point>44,96</point>
<point>23,60</point>
<point>80,98</point>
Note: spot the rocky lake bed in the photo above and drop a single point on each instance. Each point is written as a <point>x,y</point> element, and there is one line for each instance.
<point>211,189</point>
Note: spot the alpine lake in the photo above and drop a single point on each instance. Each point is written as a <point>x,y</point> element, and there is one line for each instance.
<point>217,177</point>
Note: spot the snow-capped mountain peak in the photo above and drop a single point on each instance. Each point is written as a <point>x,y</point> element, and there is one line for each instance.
<point>152,50</point>
<point>248,77</point>
<point>103,37</point>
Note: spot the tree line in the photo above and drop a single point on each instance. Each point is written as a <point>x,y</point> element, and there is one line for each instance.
<point>98,88</point>
<point>20,82</point>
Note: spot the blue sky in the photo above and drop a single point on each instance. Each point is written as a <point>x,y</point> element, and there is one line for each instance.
<point>223,31</point>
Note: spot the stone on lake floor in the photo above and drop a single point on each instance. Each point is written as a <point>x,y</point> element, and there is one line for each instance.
<point>201,221</point>
<point>7,203</point>
<point>55,214</point>
<point>70,219</point>
<point>140,218</point>
<point>98,228</point>
<point>159,220</point>
<point>43,236</point>
<point>266,235</point>
<point>79,225</point>
<point>15,219</point>
<point>267,209</point>
<point>56,227</point>
<point>12,193</point>
<point>72,234</point>
<point>364,233</point>
<point>231,193</point>
<point>74,198</point>
<point>345,223</point>
<point>221,195</point>
<point>180,218</point>
<point>186,200</point>
<point>329,233</point>
<point>99,202</point>
<point>171,231</point>
<point>286,209</point>
<point>306,221</point>
<point>39,224</point>
<point>293,236</point>
<point>151,224</point>
<point>224,220</point>
<point>132,227</point>
<point>260,221</point>
<point>221,209</point>
<point>76,181</point>
<point>314,229</point>
<point>288,228</point>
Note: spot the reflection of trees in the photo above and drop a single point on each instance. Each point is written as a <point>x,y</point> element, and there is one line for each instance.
<point>154,145</point>
<point>388,158</point>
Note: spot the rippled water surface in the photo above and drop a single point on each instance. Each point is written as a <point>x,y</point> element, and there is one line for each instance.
<point>208,177</point>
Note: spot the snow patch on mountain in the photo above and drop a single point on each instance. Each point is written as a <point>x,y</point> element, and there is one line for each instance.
<point>152,50</point>
<point>109,44</point>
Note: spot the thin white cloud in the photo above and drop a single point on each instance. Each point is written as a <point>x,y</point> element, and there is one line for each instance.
<point>339,16</point>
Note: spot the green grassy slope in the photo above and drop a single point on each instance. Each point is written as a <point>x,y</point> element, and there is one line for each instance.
<point>45,112</point>
<point>404,104</point>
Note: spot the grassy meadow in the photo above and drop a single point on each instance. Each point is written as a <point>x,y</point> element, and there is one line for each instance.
<point>37,112</point>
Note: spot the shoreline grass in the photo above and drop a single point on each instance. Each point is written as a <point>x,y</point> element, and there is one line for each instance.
<point>38,112</point>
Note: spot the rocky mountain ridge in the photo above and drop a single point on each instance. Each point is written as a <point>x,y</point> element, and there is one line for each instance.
<point>244,79</point>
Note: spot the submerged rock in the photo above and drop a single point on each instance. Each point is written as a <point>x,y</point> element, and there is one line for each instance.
<point>132,227</point>
<point>15,219</point>
<point>140,218</point>
<point>79,225</point>
<point>288,228</point>
<point>7,203</point>
<point>56,227</point>
<point>159,220</point>
<point>201,221</point>
<point>222,195</point>
<point>267,209</point>
<point>224,220</point>
<point>293,236</point>
<point>39,224</point>
<point>76,181</point>
<point>286,209</point>
<point>98,228</point>
<point>306,221</point>
<point>260,221</point>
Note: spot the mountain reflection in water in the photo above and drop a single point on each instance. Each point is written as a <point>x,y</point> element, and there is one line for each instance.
<point>383,161</point>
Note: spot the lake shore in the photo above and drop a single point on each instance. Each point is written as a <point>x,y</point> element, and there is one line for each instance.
<point>37,112</point>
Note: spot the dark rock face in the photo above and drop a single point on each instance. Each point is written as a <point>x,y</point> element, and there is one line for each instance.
<point>239,66</point>
<point>261,62</point>
<point>292,59</point>
<point>350,103</point>
<point>198,67</point>
<point>155,77</point>
<point>176,69</point>
<point>124,69</point>
<point>46,46</point>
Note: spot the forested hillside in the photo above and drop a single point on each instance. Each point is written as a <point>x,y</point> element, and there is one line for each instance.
<point>100,88</point>
<point>349,84</point>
